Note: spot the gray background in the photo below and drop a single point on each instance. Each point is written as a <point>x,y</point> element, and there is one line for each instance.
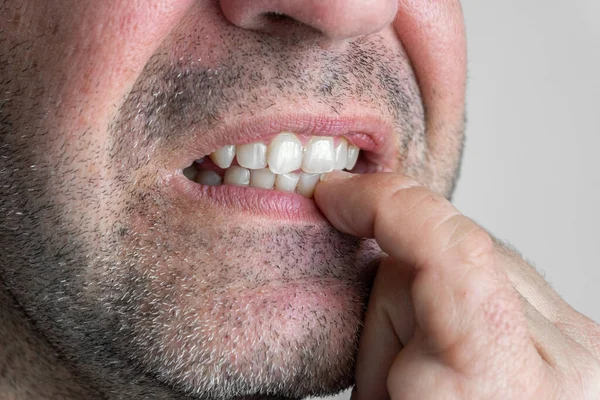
<point>531,165</point>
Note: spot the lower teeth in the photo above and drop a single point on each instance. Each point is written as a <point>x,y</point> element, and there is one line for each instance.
<point>210,178</point>
<point>302,183</point>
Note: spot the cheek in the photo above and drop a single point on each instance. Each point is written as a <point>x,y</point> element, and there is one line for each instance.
<point>88,55</point>
<point>433,35</point>
<point>72,63</point>
<point>202,37</point>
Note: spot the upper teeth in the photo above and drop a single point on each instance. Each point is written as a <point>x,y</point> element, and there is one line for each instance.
<point>286,154</point>
<point>224,156</point>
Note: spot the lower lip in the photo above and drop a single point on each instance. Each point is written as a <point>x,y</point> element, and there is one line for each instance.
<point>260,202</point>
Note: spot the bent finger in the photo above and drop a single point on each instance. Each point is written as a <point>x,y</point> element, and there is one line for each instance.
<point>458,293</point>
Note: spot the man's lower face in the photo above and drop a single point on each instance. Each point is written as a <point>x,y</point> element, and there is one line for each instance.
<point>140,274</point>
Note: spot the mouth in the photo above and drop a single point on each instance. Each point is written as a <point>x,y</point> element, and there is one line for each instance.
<point>272,167</point>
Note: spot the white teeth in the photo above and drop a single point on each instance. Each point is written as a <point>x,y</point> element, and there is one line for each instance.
<point>341,155</point>
<point>285,153</point>
<point>307,183</point>
<point>224,156</point>
<point>252,156</point>
<point>287,182</point>
<point>262,178</point>
<point>352,157</point>
<point>319,155</point>
<point>237,176</point>
<point>207,177</point>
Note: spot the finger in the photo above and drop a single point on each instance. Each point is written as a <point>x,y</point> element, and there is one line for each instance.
<point>411,223</point>
<point>421,229</point>
<point>464,306</point>
<point>403,216</point>
<point>383,336</point>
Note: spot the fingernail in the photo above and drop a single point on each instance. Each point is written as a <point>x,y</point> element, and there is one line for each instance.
<point>336,176</point>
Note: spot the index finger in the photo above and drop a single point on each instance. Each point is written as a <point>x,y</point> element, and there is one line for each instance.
<point>468,318</point>
<point>452,257</point>
<point>410,222</point>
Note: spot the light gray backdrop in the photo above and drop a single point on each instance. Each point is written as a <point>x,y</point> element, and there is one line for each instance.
<point>531,167</point>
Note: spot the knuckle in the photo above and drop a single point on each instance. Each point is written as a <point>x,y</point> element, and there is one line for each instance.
<point>469,243</point>
<point>402,188</point>
<point>405,182</point>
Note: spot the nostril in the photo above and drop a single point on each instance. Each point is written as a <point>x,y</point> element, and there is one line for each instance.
<point>279,24</point>
<point>282,24</point>
<point>275,17</point>
<point>334,20</point>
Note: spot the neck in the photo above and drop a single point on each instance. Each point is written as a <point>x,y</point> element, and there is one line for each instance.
<point>29,366</point>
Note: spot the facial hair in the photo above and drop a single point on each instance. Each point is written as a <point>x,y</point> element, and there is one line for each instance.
<point>147,297</point>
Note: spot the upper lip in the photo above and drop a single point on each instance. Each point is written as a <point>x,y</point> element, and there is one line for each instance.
<point>371,134</point>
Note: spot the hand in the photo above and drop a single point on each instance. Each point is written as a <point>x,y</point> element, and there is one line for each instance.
<point>454,314</point>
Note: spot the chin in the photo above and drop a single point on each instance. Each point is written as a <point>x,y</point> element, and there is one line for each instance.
<point>282,340</point>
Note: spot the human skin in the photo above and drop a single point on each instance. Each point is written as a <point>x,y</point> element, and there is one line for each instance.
<point>129,287</point>
<point>454,311</point>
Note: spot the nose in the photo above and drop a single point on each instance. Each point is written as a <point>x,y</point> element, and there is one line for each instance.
<point>334,19</point>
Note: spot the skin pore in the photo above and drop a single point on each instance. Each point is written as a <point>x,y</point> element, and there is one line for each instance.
<point>132,290</point>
